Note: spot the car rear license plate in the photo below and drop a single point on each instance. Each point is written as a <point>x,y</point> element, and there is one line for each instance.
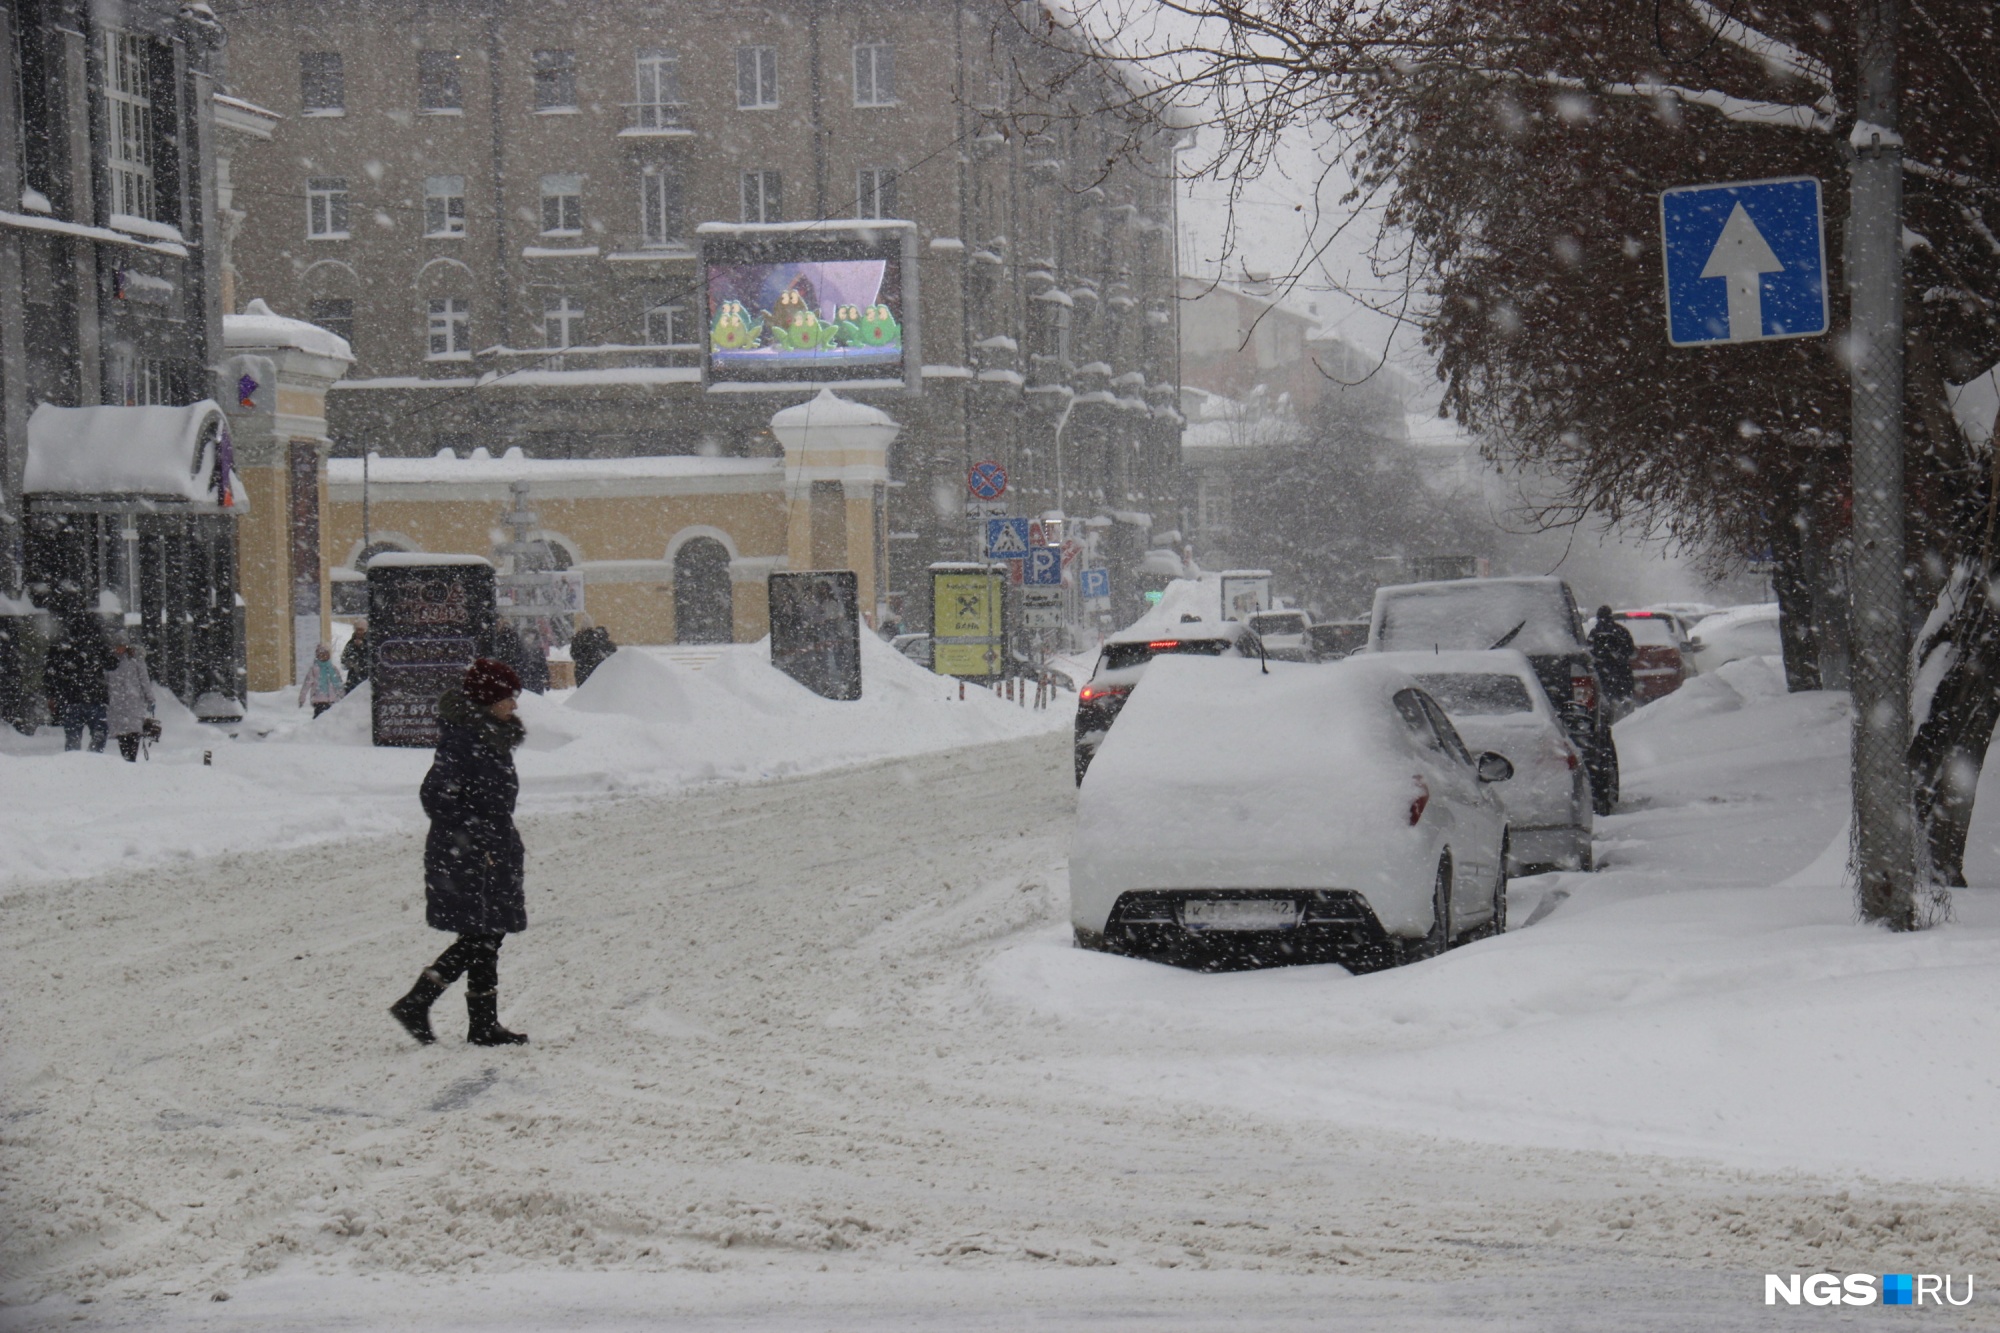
<point>1239,914</point>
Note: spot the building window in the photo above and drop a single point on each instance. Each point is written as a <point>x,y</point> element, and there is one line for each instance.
<point>444,206</point>
<point>661,212</point>
<point>756,77</point>
<point>438,86</point>
<point>562,322</point>
<point>322,83</point>
<point>555,80</point>
<point>874,74</point>
<point>669,326</point>
<point>335,315</point>
<point>128,119</point>
<point>562,205</point>
<point>449,327</point>
<point>657,101</point>
<point>763,199</point>
<point>875,193</point>
<point>326,208</point>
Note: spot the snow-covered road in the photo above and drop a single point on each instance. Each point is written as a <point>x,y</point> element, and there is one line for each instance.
<point>811,1054</point>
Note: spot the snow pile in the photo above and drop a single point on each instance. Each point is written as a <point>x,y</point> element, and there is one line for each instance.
<point>641,724</point>
<point>1708,994</point>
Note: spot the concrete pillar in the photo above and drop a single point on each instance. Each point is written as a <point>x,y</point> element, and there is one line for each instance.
<point>838,441</point>
<point>273,386</point>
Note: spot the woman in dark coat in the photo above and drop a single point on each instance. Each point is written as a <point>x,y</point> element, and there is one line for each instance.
<point>473,857</point>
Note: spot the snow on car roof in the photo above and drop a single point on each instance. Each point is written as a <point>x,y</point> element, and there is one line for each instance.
<point>1474,614</point>
<point>1223,775</point>
<point>1231,630</point>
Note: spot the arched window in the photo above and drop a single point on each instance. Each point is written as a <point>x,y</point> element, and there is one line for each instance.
<point>702,607</point>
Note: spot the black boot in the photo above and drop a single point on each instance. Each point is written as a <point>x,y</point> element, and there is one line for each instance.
<point>483,1007</point>
<point>413,1011</point>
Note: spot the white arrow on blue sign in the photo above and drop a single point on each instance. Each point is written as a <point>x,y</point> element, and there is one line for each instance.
<point>1745,262</point>
<point>1044,567</point>
<point>1006,538</point>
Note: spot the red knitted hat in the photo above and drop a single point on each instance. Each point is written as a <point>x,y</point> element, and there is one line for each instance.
<point>487,682</point>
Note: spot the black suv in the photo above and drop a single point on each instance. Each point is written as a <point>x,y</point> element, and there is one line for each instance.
<point>1535,616</point>
<point>1123,661</point>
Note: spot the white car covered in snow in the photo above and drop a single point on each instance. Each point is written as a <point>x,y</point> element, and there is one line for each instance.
<point>1295,813</point>
<point>1740,632</point>
<point>1497,703</point>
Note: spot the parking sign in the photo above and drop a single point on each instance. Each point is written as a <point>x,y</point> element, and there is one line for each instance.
<point>1043,568</point>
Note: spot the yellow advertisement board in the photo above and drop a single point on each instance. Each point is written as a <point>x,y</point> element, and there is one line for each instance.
<point>966,634</point>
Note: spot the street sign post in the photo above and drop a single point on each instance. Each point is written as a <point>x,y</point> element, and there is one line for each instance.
<point>1043,568</point>
<point>968,627</point>
<point>986,481</point>
<point>1744,261</point>
<point>1006,538</point>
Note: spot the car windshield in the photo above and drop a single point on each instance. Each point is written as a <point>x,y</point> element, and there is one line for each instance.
<point>1288,623</point>
<point>1118,656</point>
<point>1481,695</point>
<point>1531,617</point>
<point>1650,631</point>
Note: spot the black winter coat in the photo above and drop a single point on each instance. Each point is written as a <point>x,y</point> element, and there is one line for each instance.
<point>73,672</point>
<point>1611,650</point>
<point>473,856</point>
<point>589,649</point>
<point>354,661</point>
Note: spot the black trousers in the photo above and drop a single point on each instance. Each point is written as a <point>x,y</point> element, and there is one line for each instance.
<point>477,957</point>
<point>128,745</point>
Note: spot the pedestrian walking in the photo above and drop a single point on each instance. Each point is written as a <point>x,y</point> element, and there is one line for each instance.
<point>129,704</point>
<point>473,859</point>
<point>1611,650</point>
<point>354,657</point>
<point>590,647</point>
<point>322,686</point>
<point>74,677</point>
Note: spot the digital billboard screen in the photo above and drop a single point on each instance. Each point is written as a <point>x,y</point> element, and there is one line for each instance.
<point>786,307</point>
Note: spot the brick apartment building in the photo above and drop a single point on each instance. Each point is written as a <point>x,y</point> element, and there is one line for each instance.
<point>498,205</point>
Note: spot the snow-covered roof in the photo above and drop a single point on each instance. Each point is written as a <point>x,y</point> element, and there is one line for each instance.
<point>808,227</point>
<point>422,560</point>
<point>163,452</point>
<point>827,410</point>
<point>260,326</point>
<point>515,466</point>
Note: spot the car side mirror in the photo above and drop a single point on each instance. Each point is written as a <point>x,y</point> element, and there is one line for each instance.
<point>1494,767</point>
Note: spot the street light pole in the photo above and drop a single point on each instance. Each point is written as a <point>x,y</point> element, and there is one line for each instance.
<point>1884,842</point>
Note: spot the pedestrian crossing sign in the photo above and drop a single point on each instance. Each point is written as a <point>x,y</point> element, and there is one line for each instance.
<point>1006,538</point>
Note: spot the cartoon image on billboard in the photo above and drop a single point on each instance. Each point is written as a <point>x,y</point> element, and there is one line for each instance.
<point>806,314</point>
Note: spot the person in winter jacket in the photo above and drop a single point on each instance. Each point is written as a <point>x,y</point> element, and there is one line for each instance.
<point>354,657</point>
<point>473,858</point>
<point>74,675</point>
<point>130,690</point>
<point>1611,650</point>
<point>322,686</point>
<point>590,647</point>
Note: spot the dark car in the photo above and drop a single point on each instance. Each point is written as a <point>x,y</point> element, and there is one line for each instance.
<point>1334,639</point>
<point>1535,616</point>
<point>1123,660</point>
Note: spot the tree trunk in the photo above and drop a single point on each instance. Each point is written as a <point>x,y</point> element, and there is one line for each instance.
<point>1954,708</point>
<point>1792,579</point>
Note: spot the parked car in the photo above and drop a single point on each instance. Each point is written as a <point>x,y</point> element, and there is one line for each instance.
<point>1335,639</point>
<point>1536,616</point>
<point>1123,660</point>
<point>1661,658</point>
<point>1284,635</point>
<point>1497,703</point>
<point>916,647</point>
<point>1739,632</point>
<point>1244,816</point>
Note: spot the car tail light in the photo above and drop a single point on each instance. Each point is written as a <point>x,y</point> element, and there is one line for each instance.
<point>1584,690</point>
<point>1164,645</point>
<point>1419,801</point>
<point>1092,692</point>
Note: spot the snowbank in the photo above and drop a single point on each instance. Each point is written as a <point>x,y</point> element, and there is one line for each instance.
<point>1708,994</point>
<point>641,725</point>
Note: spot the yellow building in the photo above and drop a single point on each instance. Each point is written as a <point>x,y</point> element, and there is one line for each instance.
<point>672,548</point>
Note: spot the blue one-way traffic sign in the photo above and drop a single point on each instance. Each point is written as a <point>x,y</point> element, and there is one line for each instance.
<point>1044,567</point>
<point>1745,262</point>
